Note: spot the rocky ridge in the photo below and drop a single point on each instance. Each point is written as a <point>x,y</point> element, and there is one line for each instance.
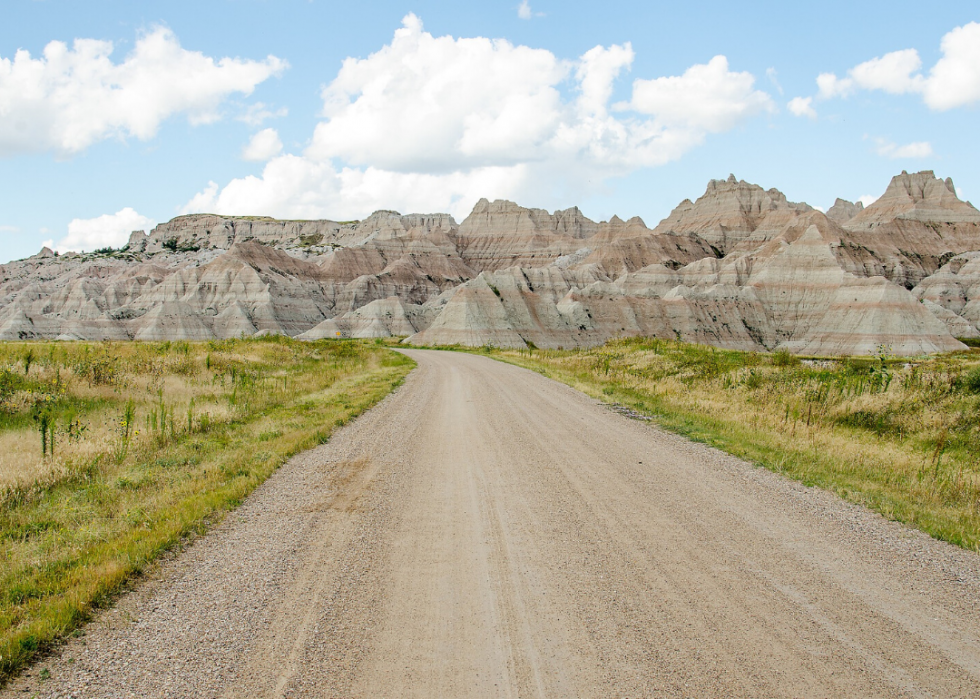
<point>740,267</point>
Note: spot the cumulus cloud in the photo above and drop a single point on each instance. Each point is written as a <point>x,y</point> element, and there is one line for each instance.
<point>867,200</point>
<point>919,149</point>
<point>262,146</point>
<point>954,81</point>
<point>108,230</point>
<point>431,123</point>
<point>68,98</point>
<point>802,107</point>
<point>524,10</point>
<point>298,187</point>
<point>707,98</point>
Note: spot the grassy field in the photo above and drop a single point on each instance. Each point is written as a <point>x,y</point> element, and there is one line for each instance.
<point>899,436</point>
<point>111,453</point>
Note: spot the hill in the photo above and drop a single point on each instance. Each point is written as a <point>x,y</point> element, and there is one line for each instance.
<point>740,268</point>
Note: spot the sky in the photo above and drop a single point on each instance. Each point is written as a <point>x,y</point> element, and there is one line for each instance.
<point>116,116</point>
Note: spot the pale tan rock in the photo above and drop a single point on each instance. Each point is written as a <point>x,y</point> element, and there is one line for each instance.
<point>732,213</point>
<point>17,326</point>
<point>510,276</point>
<point>917,197</point>
<point>620,247</point>
<point>233,322</point>
<point>381,318</point>
<point>172,320</point>
<point>958,326</point>
<point>473,315</point>
<point>137,242</point>
<point>868,316</point>
<point>501,234</point>
<point>843,211</point>
<point>325,330</point>
<point>956,289</point>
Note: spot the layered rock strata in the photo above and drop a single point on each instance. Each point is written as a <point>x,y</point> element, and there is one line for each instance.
<point>740,267</point>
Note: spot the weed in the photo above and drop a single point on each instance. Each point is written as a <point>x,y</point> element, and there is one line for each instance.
<point>784,358</point>
<point>79,522</point>
<point>971,381</point>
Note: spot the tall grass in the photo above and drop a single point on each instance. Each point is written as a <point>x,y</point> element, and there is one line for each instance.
<point>900,436</point>
<point>153,442</point>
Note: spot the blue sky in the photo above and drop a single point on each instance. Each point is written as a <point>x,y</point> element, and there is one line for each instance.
<point>327,109</point>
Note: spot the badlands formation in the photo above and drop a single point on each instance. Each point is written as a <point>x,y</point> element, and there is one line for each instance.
<point>741,267</point>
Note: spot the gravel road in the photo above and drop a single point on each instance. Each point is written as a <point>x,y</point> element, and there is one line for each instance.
<point>487,532</point>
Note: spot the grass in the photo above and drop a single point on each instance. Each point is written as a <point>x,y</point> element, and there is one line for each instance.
<point>152,443</point>
<point>899,436</point>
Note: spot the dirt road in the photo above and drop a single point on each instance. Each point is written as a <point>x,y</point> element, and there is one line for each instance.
<point>486,532</point>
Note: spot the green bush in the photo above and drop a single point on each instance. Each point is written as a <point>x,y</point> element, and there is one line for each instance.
<point>784,358</point>
<point>971,382</point>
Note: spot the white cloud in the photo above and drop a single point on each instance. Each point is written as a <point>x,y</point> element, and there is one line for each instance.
<point>263,146</point>
<point>960,194</point>
<point>867,200</point>
<point>707,98</point>
<point>296,187</point>
<point>9,229</point>
<point>918,149</point>
<point>802,107</point>
<point>524,10</point>
<point>438,104</point>
<point>892,73</point>
<point>258,113</point>
<point>108,230</point>
<point>597,69</point>
<point>954,81</point>
<point>829,85</point>
<point>430,123</point>
<point>69,98</point>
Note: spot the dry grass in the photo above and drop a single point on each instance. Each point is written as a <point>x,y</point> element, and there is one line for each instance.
<point>152,441</point>
<point>900,436</point>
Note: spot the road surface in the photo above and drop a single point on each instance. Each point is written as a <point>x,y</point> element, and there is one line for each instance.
<point>486,532</point>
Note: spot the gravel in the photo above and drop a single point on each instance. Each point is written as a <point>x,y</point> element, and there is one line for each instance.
<point>487,532</point>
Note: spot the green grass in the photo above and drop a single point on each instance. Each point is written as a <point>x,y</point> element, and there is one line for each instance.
<point>115,499</point>
<point>899,436</point>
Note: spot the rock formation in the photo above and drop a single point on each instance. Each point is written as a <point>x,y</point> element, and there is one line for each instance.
<point>843,211</point>
<point>733,213</point>
<point>741,267</point>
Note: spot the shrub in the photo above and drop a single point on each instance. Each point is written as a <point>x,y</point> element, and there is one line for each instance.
<point>971,382</point>
<point>784,358</point>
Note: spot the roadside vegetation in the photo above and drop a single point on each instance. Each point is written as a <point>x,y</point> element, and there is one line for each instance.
<point>901,436</point>
<point>112,453</point>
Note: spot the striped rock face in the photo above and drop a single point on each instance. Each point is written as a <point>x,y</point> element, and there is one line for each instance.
<point>740,267</point>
